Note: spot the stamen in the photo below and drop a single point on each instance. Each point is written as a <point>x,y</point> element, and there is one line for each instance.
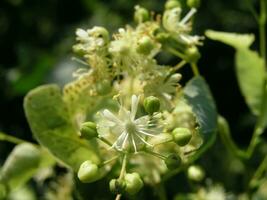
<point>188,16</point>
<point>143,140</point>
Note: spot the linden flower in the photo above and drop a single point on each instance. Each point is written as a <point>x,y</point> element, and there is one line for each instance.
<point>131,132</point>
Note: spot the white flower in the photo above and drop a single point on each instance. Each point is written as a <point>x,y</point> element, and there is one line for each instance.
<point>131,132</point>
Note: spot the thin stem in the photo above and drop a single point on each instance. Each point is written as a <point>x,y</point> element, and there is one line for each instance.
<point>262,30</point>
<point>254,140</point>
<point>195,69</point>
<point>261,169</point>
<point>175,52</point>
<point>12,139</point>
<point>105,141</point>
<point>164,142</point>
<point>108,161</point>
<point>179,65</point>
<point>122,173</point>
<point>156,154</point>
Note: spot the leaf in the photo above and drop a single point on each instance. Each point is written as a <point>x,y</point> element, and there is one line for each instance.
<point>51,125</point>
<point>198,96</point>
<point>251,78</point>
<point>21,165</point>
<point>233,39</point>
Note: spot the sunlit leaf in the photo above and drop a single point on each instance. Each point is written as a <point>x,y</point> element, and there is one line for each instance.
<point>233,39</point>
<point>51,125</point>
<point>251,77</point>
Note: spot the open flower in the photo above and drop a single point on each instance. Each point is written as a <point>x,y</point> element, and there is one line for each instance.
<point>130,132</point>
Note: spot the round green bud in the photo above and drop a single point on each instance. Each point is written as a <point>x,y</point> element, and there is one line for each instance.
<point>133,183</point>
<point>162,37</point>
<point>145,45</point>
<point>104,87</point>
<point>182,136</point>
<point>195,173</point>
<point>170,4</point>
<point>2,192</point>
<point>173,161</point>
<point>117,186</point>
<point>192,54</point>
<point>193,3</point>
<point>151,104</point>
<point>88,172</point>
<point>141,14</point>
<point>88,130</point>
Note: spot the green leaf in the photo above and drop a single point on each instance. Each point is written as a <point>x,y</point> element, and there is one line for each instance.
<point>51,125</point>
<point>251,78</point>
<point>21,165</point>
<point>198,96</point>
<point>233,39</point>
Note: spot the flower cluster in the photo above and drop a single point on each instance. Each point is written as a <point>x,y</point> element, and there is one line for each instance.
<point>139,127</point>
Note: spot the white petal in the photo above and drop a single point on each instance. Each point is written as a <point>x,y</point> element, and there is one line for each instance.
<point>111,117</point>
<point>143,140</point>
<point>135,149</point>
<point>134,106</point>
<point>118,143</point>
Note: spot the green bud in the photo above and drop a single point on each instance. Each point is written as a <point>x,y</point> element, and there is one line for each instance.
<point>133,182</point>
<point>151,104</point>
<point>173,161</point>
<point>182,136</point>
<point>193,3</point>
<point>195,173</point>
<point>117,186</point>
<point>103,87</point>
<point>2,192</point>
<point>170,4</point>
<point>145,45</point>
<point>141,14</point>
<point>88,130</point>
<point>192,54</point>
<point>88,172</point>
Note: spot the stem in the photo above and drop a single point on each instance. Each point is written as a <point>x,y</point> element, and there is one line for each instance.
<point>105,141</point>
<point>195,69</point>
<point>108,161</point>
<point>261,169</point>
<point>156,154</point>
<point>164,142</point>
<point>175,52</point>
<point>254,141</point>
<point>12,139</point>
<point>262,30</point>
<point>179,65</point>
<point>122,173</point>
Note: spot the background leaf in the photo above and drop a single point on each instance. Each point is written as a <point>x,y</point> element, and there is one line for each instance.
<point>198,96</point>
<point>233,39</point>
<point>51,125</point>
<point>251,78</point>
<point>21,164</point>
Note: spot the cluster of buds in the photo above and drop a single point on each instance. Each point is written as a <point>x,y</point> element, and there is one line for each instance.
<point>140,128</point>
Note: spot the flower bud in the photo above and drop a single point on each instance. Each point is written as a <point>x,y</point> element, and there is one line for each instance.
<point>133,182</point>
<point>103,87</point>
<point>141,14</point>
<point>195,173</point>
<point>88,172</point>
<point>117,186</point>
<point>192,54</point>
<point>182,136</point>
<point>170,4</point>
<point>173,161</point>
<point>151,104</point>
<point>193,3</point>
<point>145,45</point>
<point>88,130</point>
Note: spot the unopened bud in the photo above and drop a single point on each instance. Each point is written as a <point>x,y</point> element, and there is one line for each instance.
<point>88,172</point>
<point>173,161</point>
<point>170,4</point>
<point>88,130</point>
<point>182,136</point>
<point>133,182</point>
<point>195,173</point>
<point>151,104</point>
<point>145,45</point>
<point>141,14</point>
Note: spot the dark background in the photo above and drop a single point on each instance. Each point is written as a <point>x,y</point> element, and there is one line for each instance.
<point>36,39</point>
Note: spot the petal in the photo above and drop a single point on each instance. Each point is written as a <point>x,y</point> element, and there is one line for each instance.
<point>134,106</point>
<point>111,117</point>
